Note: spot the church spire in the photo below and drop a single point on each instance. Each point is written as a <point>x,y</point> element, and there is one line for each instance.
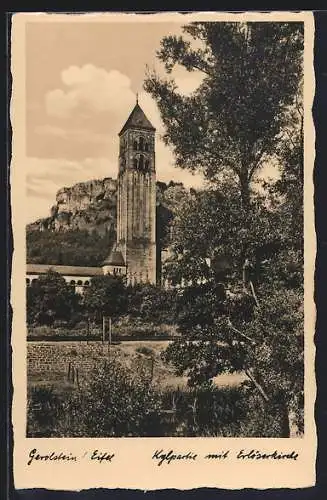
<point>137,119</point>
<point>136,199</point>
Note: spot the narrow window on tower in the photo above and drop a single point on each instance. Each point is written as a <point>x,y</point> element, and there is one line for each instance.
<point>135,145</point>
<point>135,163</point>
<point>141,162</point>
<point>147,164</point>
<point>141,144</point>
<point>146,147</point>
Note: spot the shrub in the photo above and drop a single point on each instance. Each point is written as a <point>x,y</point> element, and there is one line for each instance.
<point>114,403</point>
<point>60,324</point>
<point>206,411</point>
<point>40,331</point>
<point>44,410</point>
<point>151,303</point>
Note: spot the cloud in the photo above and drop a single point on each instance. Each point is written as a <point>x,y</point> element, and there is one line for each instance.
<point>59,104</point>
<point>85,116</point>
<point>90,89</point>
<point>79,142</point>
<point>61,172</point>
<point>89,110</point>
<point>77,135</point>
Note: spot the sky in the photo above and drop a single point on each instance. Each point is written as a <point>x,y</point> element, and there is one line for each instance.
<point>81,85</point>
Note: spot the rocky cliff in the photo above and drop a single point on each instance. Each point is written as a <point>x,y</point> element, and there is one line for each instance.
<point>84,217</point>
<point>85,206</point>
<point>91,206</point>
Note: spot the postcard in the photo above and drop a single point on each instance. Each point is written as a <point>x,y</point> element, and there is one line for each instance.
<point>164,248</point>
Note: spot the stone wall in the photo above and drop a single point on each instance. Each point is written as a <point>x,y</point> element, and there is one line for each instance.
<point>56,356</point>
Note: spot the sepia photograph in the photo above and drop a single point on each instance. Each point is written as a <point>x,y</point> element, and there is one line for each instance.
<point>164,229</point>
<point>164,248</point>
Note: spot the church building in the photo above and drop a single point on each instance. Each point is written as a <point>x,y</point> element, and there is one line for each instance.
<point>134,254</point>
<point>136,201</point>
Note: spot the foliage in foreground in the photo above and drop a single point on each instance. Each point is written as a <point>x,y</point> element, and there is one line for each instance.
<point>115,403</point>
<point>111,403</point>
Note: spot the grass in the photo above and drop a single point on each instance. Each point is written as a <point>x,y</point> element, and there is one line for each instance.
<point>57,381</point>
<point>125,327</point>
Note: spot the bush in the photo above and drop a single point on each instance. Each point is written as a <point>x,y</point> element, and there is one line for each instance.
<point>60,333</point>
<point>112,403</point>
<point>129,326</point>
<point>116,404</point>
<point>151,303</point>
<point>40,331</point>
<point>44,410</point>
<point>208,411</point>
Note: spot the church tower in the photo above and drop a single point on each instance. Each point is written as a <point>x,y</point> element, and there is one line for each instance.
<point>136,198</point>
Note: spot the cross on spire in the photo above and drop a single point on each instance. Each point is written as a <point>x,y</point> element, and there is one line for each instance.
<point>137,97</point>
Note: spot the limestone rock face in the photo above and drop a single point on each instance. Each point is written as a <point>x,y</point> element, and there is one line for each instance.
<point>91,206</point>
<point>86,206</point>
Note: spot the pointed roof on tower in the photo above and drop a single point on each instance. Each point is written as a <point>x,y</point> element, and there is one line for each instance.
<point>137,119</point>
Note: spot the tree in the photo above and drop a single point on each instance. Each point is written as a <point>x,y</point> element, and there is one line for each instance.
<point>226,324</point>
<point>151,303</point>
<point>51,298</point>
<point>215,225</point>
<point>243,310</point>
<point>289,187</point>
<point>222,333</point>
<point>63,248</point>
<point>233,122</point>
<point>106,296</point>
